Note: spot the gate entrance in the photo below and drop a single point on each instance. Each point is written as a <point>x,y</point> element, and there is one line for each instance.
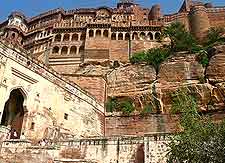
<point>14,112</point>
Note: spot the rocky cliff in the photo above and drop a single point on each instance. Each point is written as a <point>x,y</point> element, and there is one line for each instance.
<point>140,82</point>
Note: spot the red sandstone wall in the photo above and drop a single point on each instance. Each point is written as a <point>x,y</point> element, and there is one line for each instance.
<point>137,125</point>
<point>217,19</point>
<point>95,85</point>
<point>97,48</point>
<point>119,50</point>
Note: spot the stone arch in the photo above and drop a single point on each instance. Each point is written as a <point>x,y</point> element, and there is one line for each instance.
<point>14,110</point>
<point>55,50</point>
<point>91,33</point>
<point>150,36</point>
<point>106,33</point>
<point>135,36</point>
<point>157,35</point>
<point>140,155</point>
<point>120,36</point>
<point>113,36</point>
<point>58,38</point>
<point>73,50</point>
<point>66,37</point>
<point>64,50</point>
<point>142,35</point>
<point>127,36</point>
<point>83,36</point>
<point>75,37</point>
<point>98,33</point>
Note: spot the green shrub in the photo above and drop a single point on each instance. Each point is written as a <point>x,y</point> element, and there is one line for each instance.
<point>215,35</point>
<point>152,57</point>
<point>203,58</point>
<point>139,57</point>
<point>181,39</point>
<point>147,109</point>
<point>112,104</point>
<point>127,107</point>
<point>201,140</point>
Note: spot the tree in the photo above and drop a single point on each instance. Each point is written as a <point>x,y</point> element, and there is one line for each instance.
<point>152,57</point>
<point>180,38</point>
<point>215,35</point>
<point>201,140</point>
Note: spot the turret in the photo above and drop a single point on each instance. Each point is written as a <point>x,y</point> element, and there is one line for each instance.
<point>125,4</point>
<point>199,21</point>
<point>16,27</point>
<point>155,12</point>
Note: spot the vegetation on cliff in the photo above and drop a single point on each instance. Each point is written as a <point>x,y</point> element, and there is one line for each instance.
<point>152,57</point>
<point>125,105</point>
<point>181,40</point>
<point>201,140</point>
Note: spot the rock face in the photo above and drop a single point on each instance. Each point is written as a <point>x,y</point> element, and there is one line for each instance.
<point>141,84</point>
<point>181,67</point>
<point>130,80</point>
<point>216,68</point>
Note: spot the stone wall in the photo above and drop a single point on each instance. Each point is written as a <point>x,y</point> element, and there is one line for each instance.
<point>147,149</point>
<point>54,107</point>
<point>96,85</point>
<point>138,125</point>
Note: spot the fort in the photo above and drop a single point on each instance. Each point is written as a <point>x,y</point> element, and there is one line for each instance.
<point>58,69</point>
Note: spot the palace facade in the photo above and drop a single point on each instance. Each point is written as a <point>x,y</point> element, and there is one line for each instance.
<point>64,39</point>
<point>45,93</point>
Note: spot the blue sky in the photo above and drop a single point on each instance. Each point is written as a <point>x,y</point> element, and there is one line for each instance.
<point>34,7</point>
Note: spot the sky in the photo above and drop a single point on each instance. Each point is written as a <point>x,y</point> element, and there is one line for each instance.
<point>34,7</point>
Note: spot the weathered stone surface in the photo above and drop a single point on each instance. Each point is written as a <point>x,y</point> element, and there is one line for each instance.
<point>216,68</point>
<point>130,80</point>
<point>202,92</point>
<point>181,67</point>
<point>137,125</point>
<point>143,149</point>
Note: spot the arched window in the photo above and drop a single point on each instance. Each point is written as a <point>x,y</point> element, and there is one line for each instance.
<point>83,36</point>
<point>73,50</point>
<point>55,50</point>
<point>120,36</point>
<point>98,33</point>
<point>58,38</point>
<point>150,36</point>
<point>157,35</point>
<point>66,37</point>
<point>64,50</point>
<point>13,113</point>
<point>75,37</point>
<point>113,36</point>
<point>127,36</point>
<point>13,35</point>
<point>91,33</point>
<point>135,36</point>
<point>142,35</point>
<point>106,33</point>
<point>81,49</point>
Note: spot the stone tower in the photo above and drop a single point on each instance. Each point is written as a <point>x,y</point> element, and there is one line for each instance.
<point>199,21</point>
<point>16,27</point>
<point>155,12</point>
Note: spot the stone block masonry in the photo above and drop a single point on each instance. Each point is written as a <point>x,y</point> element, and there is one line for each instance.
<point>146,149</point>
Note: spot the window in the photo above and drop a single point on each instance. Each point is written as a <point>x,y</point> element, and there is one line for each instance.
<point>66,116</point>
<point>98,33</point>
<point>32,126</point>
<point>113,37</point>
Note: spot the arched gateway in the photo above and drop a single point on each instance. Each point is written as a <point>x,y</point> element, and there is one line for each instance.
<point>13,113</point>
